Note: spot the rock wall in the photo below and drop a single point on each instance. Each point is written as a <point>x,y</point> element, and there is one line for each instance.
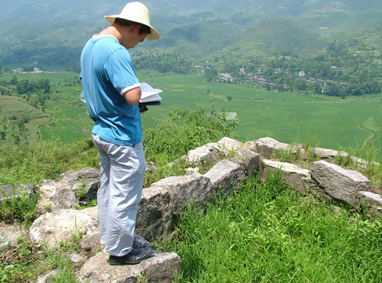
<point>164,200</point>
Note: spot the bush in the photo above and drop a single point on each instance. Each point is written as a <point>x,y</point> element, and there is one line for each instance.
<point>185,130</point>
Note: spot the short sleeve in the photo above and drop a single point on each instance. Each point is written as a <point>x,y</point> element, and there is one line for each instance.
<point>120,71</point>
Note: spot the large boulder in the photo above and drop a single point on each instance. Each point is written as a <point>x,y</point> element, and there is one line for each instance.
<point>161,268</point>
<point>73,188</point>
<point>84,182</point>
<point>55,196</point>
<point>339,183</point>
<point>186,189</point>
<point>61,225</point>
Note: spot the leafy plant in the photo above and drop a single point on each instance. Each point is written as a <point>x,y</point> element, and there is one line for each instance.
<point>20,206</point>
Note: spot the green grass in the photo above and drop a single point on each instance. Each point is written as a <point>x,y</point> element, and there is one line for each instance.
<point>260,113</point>
<point>11,106</point>
<point>53,77</point>
<point>267,233</point>
<point>282,116</point>
<point>44,160</point>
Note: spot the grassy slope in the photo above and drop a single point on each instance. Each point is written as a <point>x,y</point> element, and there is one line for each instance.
<point>276,35</point>
<point>260,113</point>
<point>267,233</point>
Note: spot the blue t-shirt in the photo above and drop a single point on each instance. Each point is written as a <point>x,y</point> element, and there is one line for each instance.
<point>107,73</point>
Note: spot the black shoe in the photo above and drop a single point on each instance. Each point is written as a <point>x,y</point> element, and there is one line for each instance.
<point>133,257</point>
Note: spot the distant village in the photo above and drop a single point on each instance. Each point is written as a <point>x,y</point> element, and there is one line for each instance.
<point>20,70</point>
<point>35,70</point>
<point>259,79</point>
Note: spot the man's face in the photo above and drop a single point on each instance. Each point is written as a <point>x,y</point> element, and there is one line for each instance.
<point>138,39</point>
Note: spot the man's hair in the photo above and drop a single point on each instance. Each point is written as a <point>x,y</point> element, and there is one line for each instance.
<point>126,23</point>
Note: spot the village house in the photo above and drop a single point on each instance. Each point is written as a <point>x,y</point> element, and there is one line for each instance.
<point>225,76</point>
<point>18,70</point>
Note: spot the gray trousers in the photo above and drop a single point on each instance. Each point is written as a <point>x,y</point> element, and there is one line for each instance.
<point>122,175</point>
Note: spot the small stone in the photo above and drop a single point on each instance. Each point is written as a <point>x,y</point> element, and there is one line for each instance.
<point>77,258</point>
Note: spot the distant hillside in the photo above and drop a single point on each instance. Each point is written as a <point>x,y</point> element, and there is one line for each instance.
<point>198,40</point>
<point>277,36</point>
<point>52,32</point>
<point>341,15</point>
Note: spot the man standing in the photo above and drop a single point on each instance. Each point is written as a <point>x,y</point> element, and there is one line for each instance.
<point>112,94</point>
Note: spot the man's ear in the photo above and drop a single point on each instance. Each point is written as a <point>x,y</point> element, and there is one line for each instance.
<point>137,27</point>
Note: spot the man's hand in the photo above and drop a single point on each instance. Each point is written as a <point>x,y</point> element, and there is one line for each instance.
<point>133,96</point>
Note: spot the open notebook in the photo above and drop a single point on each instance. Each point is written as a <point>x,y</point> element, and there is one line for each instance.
<point>149,94</point>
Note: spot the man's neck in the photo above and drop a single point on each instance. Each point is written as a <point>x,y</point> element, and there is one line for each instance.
<point>113,31</point>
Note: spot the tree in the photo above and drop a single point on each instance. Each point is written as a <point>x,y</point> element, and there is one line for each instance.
<point>210,74</point>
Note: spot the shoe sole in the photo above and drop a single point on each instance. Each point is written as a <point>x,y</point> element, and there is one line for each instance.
<point>113,262</point>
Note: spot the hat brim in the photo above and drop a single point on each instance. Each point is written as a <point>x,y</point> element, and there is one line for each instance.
<point>153,35</point>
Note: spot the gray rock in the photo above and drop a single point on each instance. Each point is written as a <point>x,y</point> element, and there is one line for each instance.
<point>250,145</point>
<point>154,213</point>
<point>91,241</point>
<point>74,187</point>
<point>60,225</point>
<point>84,182</point>
<point>363,164</point>
<point>55,196</point>
<point>46,278</point>
<point>159,269</point>
<point>191,170</point>
<point>371,198</point>
<point>226,175</point>
<point>200,154</point>
<point>324,153</point>
<point>10,232</point>
<point>252,160</point>
<point>339,183</point>
<point>293,175</point>
<point>227,144</point>
<point>75,258</point>
<point>186,189</point>
<point>9,191</point>
<point>265,146</point>
<point>150,168</point>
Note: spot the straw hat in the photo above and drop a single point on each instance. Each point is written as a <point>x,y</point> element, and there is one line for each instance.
<point>136,12</point>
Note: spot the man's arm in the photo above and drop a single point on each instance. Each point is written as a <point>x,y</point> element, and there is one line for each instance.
<point>133,96</point>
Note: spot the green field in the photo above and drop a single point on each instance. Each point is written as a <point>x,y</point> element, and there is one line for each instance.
<point>260,113</point>
<point>283,116</point>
